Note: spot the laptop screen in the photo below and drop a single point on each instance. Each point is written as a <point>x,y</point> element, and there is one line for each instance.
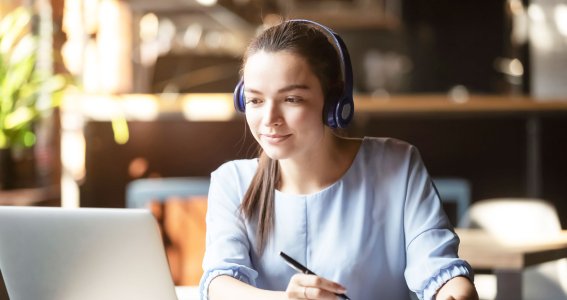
<point>86,253</point>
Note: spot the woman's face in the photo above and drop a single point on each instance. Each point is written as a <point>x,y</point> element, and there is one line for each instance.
<point>284,104</point>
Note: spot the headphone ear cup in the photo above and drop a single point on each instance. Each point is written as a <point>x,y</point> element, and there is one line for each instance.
<point>329,116</point>
<point>339,113</point>
<point>344,112</point>
<point>239,103</point>
<point>338,110</point>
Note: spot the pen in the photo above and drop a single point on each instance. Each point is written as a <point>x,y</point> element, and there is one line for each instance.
<point>302,269</point>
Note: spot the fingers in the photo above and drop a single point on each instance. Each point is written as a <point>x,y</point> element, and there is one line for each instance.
<point>302,286</point>
<point>322,283</point>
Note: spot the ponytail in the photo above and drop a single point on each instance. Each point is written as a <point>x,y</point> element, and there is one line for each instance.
<point>258,204</point>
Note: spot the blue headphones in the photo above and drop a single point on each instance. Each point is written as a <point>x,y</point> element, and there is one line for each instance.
<point>338,112</point>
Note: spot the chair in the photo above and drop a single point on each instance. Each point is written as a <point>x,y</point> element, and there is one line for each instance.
<point>179,205</point>
<point>140,192</point>
<point>515,221</point>
<point>455,194</point>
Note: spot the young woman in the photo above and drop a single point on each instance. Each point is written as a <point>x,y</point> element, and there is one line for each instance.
<point>361,213</point>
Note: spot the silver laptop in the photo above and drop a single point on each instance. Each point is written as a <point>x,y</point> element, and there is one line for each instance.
<point>83,254</point>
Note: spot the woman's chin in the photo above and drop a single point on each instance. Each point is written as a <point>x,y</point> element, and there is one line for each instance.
<point>275,154</point>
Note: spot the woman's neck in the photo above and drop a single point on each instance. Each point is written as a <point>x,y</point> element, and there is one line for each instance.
<point>312,173</point>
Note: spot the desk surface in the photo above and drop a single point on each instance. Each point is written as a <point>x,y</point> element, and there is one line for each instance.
<point>484,251</point>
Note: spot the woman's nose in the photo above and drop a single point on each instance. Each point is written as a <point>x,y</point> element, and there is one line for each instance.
<point>272,114</point>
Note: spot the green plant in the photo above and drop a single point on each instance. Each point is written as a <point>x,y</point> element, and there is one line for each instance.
<point>26,92</point>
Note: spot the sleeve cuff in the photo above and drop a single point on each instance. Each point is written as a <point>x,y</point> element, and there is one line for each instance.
<point>238,272</point>
<point>459,268</point>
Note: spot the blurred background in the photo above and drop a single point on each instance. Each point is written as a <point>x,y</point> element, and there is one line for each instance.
<point>99,93</point>
<point>480,87</point>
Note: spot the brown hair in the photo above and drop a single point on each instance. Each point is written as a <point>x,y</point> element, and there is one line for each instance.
<point>312,44</point>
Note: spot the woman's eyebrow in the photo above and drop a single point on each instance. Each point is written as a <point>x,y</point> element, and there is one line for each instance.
<point>282,90</point>
<point>253,91</point>
<point>293,87</point>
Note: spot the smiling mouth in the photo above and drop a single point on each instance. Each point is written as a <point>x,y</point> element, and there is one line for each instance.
<point>274,138</point>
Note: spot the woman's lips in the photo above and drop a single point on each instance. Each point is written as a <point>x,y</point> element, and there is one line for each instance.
<point>274,138</point>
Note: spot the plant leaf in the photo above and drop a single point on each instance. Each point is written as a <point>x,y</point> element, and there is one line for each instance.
<point>12,27</point>
<point>22,116</point>
<point>24,48</point>
<point>16,79</point>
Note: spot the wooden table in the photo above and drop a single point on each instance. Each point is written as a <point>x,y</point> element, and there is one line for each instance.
<point>485,252</point>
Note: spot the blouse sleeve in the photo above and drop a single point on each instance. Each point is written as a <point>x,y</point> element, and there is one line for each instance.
<point>431,244</point>
<point>227,245</point>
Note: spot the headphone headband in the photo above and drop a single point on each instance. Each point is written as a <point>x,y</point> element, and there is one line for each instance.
<point>339,112</point>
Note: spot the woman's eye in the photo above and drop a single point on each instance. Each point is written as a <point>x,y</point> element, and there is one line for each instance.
<point>293,99</point>
<point>252,101</point>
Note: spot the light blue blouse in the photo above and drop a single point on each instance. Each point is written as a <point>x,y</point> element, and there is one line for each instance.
<point>377,231</point>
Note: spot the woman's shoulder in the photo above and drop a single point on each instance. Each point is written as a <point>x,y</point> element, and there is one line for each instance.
<point>385,153</point>
<point>386,161</point>
<point>234,176</point>
<point>387,144</point>
<point>239,167</point>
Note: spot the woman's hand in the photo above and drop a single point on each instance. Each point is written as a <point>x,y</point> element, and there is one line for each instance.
<point>458,288</point>
<point>303,286</point>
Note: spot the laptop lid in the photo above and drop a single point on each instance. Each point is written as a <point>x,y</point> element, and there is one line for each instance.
<point>86,253</point>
